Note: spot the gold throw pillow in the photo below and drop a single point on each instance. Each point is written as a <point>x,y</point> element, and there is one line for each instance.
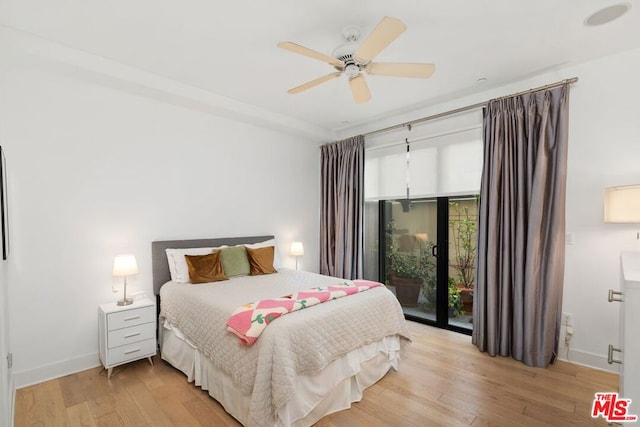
<point>205,268</point>
<point>261,260</point>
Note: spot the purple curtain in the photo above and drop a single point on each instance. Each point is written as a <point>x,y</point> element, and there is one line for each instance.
<point>520,265</point>
<point>341,209</point>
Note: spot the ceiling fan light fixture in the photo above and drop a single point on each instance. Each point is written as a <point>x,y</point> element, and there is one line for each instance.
<point>351,70</point>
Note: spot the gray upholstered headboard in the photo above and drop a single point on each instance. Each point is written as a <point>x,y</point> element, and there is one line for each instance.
<point>160,265</point>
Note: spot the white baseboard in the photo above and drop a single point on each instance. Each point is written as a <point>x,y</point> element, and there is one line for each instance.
<point>584,358</point>
<point>56,370</point>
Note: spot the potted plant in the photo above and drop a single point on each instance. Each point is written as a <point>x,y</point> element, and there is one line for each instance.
<point>463,232</point>
<point>455,300</point>
<point>408,269</point>
<point>454,296</point>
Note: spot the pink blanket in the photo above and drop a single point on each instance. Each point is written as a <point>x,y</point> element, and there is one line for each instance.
<point>249,320</point>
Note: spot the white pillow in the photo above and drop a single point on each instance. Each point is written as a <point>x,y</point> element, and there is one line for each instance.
<point>178,264</point>
<point>271,242</point>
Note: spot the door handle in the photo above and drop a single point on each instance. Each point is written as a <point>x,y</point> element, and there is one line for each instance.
<point>613,296</point>
<point>610,358</point>
<point>434,251</point>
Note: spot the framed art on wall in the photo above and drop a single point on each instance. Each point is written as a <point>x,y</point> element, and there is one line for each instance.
<point>4,209</point>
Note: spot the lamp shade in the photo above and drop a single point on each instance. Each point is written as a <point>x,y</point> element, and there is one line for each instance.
<point>297,249</point>
<point>125,265</point>
<point>622,204</point>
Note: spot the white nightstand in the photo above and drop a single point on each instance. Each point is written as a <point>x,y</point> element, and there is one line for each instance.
<point>127,333</point>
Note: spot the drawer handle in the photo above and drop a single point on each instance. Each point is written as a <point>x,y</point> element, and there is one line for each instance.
<point>613,294</point>
<point>132,335</point>
<point>610,358</point>
<point>132,351</point>
<point>131,318</point>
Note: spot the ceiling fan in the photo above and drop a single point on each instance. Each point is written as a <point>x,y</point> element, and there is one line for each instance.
<point>352,58</point>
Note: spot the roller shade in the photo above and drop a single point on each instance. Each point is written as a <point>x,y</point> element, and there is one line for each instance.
<point>445,159</point>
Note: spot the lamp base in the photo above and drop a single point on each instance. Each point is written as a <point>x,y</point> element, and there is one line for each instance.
<point>126,301</point>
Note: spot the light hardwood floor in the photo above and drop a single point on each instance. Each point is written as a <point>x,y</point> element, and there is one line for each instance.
<point>443,380</point>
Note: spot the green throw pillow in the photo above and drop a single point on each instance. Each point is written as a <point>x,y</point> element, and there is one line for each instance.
<point>234,261</point>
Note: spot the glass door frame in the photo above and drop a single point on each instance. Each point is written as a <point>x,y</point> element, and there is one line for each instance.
<point>442,262</point>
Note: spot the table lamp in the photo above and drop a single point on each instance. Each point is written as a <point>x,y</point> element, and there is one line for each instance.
<point>123,266</point>
<point>297,250</point>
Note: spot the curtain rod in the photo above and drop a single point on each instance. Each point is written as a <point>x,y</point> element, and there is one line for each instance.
<point>422,138</point>
<point>469,107</point>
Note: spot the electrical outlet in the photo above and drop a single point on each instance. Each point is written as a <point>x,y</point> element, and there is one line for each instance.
<point>569,239</point>
<point>567,340</point>
<point>567,319</point>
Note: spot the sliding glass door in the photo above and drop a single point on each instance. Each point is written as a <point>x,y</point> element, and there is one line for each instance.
<point>427,258</point>
<point>409,254</point>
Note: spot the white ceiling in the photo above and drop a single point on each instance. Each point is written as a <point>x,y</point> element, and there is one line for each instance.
<point>229,47</point>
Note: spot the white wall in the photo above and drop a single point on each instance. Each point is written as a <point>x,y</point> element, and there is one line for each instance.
<point>604,150</point>
<point>95,171</point>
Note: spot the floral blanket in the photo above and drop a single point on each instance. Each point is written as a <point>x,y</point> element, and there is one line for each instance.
<point>249,320</point>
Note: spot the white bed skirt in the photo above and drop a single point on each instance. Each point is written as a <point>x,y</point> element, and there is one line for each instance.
<point>332,390</point>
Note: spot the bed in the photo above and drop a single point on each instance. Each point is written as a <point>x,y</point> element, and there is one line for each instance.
<point>305,365</point>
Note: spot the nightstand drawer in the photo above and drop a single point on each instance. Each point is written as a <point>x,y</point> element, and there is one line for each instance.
<point>131,334</point>
<point>131,351</point>
<point>126,318</point>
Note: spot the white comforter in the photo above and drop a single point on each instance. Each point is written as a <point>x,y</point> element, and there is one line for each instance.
<point>303,342</point>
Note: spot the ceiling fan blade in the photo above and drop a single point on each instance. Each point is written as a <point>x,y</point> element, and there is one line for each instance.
<point>387,31</point>
<point>296,48</point>
<point>401,69</point>
<point>359,89</point>
<point>312,83</point>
